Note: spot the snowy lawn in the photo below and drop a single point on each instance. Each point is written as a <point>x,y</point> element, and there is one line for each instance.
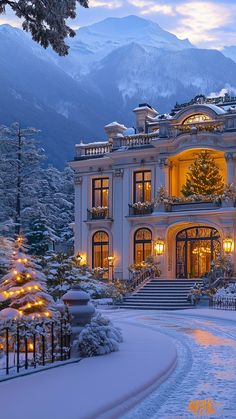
<point>104,386</point>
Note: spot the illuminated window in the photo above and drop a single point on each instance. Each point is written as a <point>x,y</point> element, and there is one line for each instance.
<point>100,250</point>
<point>100,196</point>
<point>142,245</point>
<point>193,119</point>
<point>143,186</point>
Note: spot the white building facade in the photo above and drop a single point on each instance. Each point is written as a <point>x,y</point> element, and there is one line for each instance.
<point>130,167</point>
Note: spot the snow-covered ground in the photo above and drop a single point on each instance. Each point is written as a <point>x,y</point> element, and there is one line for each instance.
<point>142,374</point>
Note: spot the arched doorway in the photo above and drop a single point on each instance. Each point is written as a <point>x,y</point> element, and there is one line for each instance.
<point>100,250</point>
<point>142,245</point>
<point>196,248</point>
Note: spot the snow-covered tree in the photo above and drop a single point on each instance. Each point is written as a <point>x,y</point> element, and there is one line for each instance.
<point>29,192</point>
<point>46,20</point>
<point>204,176</point>
<point>20,168</point>
<point>25,286</point>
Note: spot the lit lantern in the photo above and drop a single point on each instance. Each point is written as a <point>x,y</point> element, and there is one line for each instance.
<point>81,258</point>
<point>159,246</point>
<point>228,245</point>
<point>111,261</point>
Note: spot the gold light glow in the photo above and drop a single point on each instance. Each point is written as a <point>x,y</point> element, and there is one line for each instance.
<point>159,246</point>
<point>111,261</point>
<point>228,244</point>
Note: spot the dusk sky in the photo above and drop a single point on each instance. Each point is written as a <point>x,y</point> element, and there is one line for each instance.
<point>208,24</point>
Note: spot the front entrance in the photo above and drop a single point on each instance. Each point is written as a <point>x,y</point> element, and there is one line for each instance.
<point>196,248</point>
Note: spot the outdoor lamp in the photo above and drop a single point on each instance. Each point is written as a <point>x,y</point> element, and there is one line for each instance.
<point>228,244</point>
<point>159,246</point>
<point>110,261</point>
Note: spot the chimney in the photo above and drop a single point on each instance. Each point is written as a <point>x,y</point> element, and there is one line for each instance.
<point>114,130</point>
<point>143,112</point>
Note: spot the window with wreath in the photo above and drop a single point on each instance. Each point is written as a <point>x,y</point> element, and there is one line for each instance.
<point>142,245</point>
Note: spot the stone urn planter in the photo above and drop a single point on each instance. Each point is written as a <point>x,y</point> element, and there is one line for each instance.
<point>81,311</point>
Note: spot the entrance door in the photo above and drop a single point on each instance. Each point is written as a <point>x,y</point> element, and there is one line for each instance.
<point>196,248</point>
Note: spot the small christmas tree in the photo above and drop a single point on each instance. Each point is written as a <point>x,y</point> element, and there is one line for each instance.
<point>204,177</point>
<point>25,286</point>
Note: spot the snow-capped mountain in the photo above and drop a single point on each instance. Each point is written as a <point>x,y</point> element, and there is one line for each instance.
<point>113,65</point>
<point>92,43</point>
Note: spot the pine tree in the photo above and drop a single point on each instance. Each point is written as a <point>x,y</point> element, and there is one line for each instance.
<point>25,286</point>
<point>203,177</point>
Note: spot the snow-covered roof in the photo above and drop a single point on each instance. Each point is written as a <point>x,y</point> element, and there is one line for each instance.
<point>115,124</point>
<point>218,110</point>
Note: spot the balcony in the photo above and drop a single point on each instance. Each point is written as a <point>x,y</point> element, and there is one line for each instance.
<point>192,206</point>
<point>98,213</point>
<point>141,208</point>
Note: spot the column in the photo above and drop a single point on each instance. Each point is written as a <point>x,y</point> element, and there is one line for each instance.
<point>117,195</point>
<point>78,180</point>
<point>162,174</point>
<point>230,162</point>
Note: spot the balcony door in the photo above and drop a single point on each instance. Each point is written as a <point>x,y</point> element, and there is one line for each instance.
<point>142,186</point>
<point>196,248</point>
<point>100,192</point>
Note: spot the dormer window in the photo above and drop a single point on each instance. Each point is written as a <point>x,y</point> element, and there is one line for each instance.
<point>195,119</point>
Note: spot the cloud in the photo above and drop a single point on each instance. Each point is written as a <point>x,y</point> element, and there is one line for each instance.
<point>149,7</point>
<point>112,4</point>
<point>199,21</point>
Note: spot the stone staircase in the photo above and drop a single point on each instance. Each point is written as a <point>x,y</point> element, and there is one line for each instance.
<point>161,294</point>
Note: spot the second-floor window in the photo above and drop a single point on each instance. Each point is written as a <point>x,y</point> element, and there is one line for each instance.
<point>143,186</point>
<point>100,192</point>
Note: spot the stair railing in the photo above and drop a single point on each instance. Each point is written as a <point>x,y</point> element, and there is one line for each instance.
<point>138,278</point>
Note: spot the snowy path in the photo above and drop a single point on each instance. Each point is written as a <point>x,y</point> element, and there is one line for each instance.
<point>206,370</point>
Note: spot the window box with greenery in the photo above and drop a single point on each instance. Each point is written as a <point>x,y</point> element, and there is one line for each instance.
<point>98,213</point>
<point>141,208</point>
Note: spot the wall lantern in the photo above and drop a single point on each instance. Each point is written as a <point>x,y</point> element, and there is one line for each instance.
<point>228,244</point>
<point>159,246</point>
<point>111,261</point>
<point>81,259</point>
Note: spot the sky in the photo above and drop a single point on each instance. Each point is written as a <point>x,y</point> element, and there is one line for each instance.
<point>207,24</point>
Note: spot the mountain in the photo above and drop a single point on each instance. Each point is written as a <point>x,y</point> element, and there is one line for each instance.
<point>92,43</point>
<point>230,52</point>
<point>113,65</point>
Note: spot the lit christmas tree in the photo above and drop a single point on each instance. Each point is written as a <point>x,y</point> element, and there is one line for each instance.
<point>204,177</point>
<point>25,286</point>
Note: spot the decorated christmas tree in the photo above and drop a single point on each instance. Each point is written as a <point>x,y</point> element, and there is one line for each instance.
<point>25,286</point>
<point>203,177</point>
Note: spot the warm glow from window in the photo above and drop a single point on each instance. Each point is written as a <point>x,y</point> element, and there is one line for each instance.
<point>193,119</point>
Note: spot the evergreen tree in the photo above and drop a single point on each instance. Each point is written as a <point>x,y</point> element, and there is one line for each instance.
<point>38,237</point>
<point>25,286</point>
<point>31,194</point>
<point>203,177</point>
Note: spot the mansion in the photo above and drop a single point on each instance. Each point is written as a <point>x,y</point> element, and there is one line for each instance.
<point>118,218</point>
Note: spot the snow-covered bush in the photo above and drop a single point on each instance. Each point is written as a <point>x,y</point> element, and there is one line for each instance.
<point>227,293</point>
<point>100,337</point>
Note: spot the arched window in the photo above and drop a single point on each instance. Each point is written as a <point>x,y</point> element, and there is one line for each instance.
<point>194,119</point>
<point>142,245</point>
<point>100,250</point>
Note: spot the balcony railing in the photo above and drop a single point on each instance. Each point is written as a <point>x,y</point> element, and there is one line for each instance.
<point>138,140</point>
<point>99,213</point>
<point>192,206</point>
<point>141,209</point>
